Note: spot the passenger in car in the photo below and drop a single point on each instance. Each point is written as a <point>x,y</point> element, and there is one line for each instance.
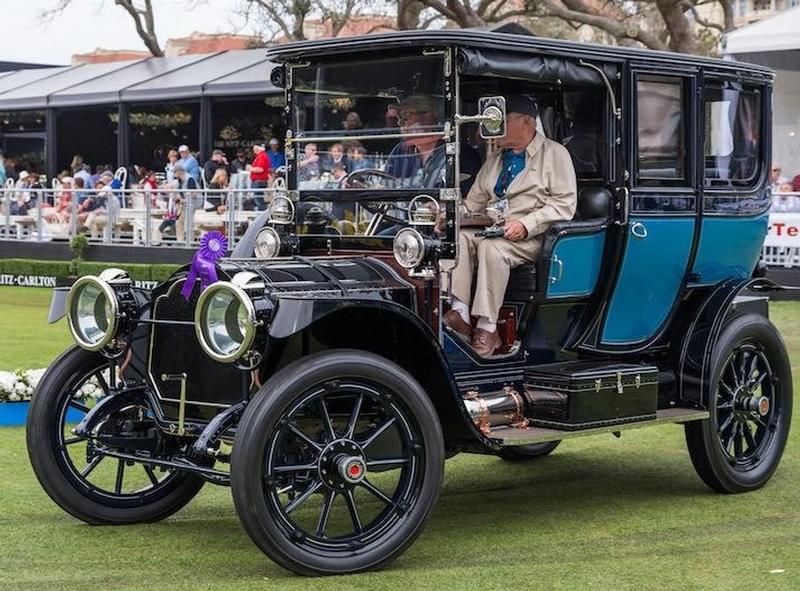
<point>532,179</point>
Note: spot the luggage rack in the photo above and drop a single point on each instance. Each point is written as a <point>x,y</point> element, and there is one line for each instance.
<point>510,436</point>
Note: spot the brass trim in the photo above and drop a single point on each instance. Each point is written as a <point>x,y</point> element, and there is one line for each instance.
<point>250,331</point>
<point>113,301</point>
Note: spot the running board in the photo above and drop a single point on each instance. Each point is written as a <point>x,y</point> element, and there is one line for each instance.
<point>509,436</point>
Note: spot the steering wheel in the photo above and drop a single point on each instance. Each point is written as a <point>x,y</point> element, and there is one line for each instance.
<point>357,179</point>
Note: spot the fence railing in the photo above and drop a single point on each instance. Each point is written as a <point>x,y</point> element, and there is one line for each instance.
<point>158,217</point>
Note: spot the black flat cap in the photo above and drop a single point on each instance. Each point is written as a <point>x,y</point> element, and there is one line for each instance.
<point>521,103</point>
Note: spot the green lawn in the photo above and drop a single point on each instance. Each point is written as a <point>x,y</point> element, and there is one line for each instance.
<point>28,341</point>
<point>600,513</point>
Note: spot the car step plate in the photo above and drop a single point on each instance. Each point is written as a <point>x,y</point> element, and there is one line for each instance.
<point>508,436</point>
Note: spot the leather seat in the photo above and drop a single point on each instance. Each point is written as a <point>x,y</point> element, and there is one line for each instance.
<point>594,204</point>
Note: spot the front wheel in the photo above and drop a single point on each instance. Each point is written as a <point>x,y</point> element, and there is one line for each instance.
<point>739,447</point>
<point>337,463</point>
<point>74,471</point>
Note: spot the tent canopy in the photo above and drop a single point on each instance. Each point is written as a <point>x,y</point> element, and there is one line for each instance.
<point>149,80</point>
<point>772,42</point>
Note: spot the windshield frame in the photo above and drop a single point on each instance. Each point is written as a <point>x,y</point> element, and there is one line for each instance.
<point>296,140</point>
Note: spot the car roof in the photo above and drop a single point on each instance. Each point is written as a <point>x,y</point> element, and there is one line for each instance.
<point>511,38</point>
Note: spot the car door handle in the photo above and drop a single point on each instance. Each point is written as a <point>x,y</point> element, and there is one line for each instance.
<point>639,230</point>
<point>554,260</point>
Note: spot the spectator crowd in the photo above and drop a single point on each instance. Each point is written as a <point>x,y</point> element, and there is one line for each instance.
<point>87,196</point>
<point>785,190</point>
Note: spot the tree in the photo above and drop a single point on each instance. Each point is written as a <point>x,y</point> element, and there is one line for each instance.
<point>287,19</point>
<point>140,12</point>
<point>656,24</point>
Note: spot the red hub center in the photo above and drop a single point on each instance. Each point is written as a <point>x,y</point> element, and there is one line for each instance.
<point>351,468</point>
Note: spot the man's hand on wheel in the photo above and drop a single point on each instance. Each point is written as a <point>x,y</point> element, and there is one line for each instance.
<point>515,231</point>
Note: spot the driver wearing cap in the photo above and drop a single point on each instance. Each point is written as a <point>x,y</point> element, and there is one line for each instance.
<point>530,179</point>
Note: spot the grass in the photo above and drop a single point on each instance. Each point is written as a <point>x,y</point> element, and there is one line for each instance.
<point>600,513</point>
<point>28,341</point>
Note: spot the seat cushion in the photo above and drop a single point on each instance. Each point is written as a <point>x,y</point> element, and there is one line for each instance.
<point>521,282</point>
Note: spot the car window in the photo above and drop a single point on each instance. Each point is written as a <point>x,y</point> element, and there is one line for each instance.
<point>731,145</point>
<point>584,112</point>
<point>660,129</point>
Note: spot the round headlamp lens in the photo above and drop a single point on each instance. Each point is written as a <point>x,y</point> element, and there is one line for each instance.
<point>281,211</point>
<point>225,324</point>
<point>268,244</point>
<point>92,313</point>
<point>409,248</point>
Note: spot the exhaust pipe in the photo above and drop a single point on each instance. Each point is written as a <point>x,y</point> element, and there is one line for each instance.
<point>503,409</point>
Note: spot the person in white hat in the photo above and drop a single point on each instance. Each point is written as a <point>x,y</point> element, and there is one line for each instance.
<point>188,162</point>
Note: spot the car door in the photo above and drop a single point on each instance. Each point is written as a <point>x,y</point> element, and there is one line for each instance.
<point>661,226</point>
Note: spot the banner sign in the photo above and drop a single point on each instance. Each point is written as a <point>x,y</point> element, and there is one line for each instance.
<point>50,281</point>
<point>784,230</point>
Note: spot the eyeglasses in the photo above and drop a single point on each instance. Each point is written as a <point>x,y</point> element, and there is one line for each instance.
<point>404,116</point>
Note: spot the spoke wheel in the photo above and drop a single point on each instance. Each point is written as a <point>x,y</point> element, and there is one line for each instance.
<point>746,406</point>
<point>349,468</point>
<point>74,471</point>
<point>740,446</point>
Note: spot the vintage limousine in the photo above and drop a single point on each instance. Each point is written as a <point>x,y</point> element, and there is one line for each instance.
<point>310,369</point>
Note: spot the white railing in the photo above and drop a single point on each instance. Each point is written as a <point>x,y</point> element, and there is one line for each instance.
<point>140,217</point>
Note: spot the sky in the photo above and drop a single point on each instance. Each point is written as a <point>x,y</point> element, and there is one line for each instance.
<point>88,24</point>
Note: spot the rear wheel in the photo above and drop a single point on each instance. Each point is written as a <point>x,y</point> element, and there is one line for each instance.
<point>337,463</point>
<point>526,453</point>
<point>739,447</point>
<point>86,483</point>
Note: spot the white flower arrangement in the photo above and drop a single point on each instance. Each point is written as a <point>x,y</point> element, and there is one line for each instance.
<point>19,385</point>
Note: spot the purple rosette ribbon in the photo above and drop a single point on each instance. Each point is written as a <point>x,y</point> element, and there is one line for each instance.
<point>213,246</point>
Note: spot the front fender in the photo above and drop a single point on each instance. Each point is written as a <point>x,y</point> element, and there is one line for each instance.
<point>389,329</point>
<point>694,367</point>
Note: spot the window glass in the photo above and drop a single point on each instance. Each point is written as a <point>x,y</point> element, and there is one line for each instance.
<point>660,129</point>
<point>356,113</point>
<point>584,113</point>
<point>731,134</point>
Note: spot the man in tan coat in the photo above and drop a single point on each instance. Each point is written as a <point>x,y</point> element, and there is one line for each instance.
<point>532,180</point>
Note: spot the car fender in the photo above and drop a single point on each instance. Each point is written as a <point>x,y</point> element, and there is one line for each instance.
<point>388,329</point>
<point>697,345</point>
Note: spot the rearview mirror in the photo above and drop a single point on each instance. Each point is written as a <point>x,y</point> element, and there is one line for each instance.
<point>491,117</point>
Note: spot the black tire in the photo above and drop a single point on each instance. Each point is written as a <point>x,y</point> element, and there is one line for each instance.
<point>738,448</point>
<point>61,478</point>
<point>268,428</point>
<point>526,453</point>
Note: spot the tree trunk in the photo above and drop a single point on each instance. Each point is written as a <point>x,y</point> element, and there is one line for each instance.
<point>681,33</point>
<point>408,14</point>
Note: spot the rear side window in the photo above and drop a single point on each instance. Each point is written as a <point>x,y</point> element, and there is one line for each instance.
<point>732,134</point>
<point>660,130</point>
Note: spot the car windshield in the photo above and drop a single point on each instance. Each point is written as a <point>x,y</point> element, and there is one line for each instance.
<point>373,124</point>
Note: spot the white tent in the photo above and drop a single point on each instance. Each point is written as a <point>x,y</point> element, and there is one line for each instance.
<point>775,42</point>
<point>776,34</point>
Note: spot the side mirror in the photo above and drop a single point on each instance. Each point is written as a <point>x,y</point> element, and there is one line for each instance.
<point>491,117</point>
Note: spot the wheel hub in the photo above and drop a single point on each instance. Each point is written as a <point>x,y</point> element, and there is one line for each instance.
<point>756,404</point>
<point>342,464</point>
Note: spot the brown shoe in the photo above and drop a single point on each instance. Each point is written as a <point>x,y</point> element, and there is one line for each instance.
<point>453,319</point>
<point>485,342</point>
